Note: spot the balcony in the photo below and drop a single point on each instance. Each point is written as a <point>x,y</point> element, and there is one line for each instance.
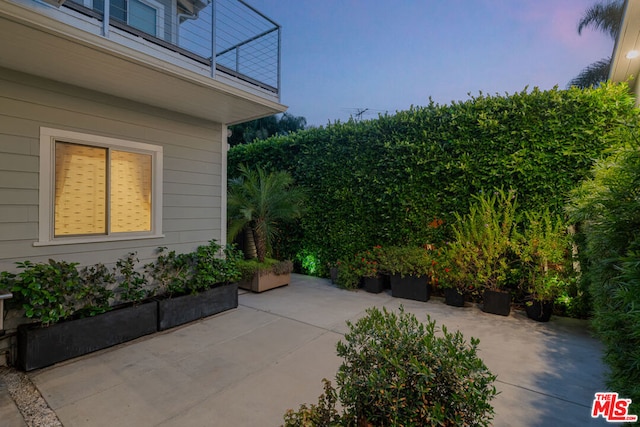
<point>215,59</point>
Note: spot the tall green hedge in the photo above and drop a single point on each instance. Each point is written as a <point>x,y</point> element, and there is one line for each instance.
<point>607,207</point>
<point>390,180</point>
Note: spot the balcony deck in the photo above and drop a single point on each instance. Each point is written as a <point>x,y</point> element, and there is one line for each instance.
<point>162,57</point>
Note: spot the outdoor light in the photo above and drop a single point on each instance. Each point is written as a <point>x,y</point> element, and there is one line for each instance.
<point>632,54</point>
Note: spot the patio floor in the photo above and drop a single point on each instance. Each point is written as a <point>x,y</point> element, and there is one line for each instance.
<point>246,367</point>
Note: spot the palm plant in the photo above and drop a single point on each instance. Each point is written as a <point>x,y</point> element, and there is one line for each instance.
<point>259,203</point>
<point>606,17</point>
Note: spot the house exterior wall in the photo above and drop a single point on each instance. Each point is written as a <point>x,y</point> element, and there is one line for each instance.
<point>193,176</point>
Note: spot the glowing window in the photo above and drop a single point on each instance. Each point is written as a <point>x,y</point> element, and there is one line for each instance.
<point>101,188</point>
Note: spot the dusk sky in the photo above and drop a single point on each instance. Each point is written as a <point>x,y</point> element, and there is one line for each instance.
<point>339,56</point>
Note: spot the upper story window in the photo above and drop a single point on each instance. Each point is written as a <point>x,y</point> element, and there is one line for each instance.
<point>94,188</point>
<point>144,15</point>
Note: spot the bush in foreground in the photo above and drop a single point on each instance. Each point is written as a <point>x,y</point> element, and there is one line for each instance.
<point>398,371</point>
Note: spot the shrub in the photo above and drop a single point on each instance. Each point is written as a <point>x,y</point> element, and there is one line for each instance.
<point>248,268</point>
<point>56,290</point>
<point>131,281</point>
<point>544,250</point>
<point>385,181</point>
<point>398,371</point>
<point>607,208</point>
<point>408,261</point>
<point>485,238</point>
<point>53,291</point>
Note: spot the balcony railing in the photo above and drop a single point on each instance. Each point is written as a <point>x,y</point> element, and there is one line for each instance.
<point>229,36</point>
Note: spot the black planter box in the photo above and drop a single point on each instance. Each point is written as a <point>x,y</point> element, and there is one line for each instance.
<point>410,287</point>
<point>496,302</point>
<point>453,297</point>
<point>40,346</point>
<point>539,311</point>
<point>375,285</point>
<point>180,310</point>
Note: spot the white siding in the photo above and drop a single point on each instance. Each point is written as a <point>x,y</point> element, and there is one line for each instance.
<point>192,175</point>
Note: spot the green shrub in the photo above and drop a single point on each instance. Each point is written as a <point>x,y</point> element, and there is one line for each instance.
<point>485,238</point>
<point>248,268</point>
<point>193,272</point>
<point>53,291</point>
<point>607,209</point>
<point>132,282</point>
<point>407,261</point>
<point>544,250</point>
<point>386,181</point>
<point>399,372</point>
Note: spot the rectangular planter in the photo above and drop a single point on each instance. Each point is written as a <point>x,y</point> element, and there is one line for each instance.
<point>184,309</point>
<point>453,297</point>
<point>40,346</point>
<point>410,287</point>
<point>264,281</point>
<point>496,302</point>
<point>374,285</point>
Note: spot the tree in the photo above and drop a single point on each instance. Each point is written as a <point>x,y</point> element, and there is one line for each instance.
<point>260,202</point>
<point>245,133</point>
<point>606,17</point>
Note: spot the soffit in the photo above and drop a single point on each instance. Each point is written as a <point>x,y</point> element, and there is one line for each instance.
<point>623,68</point>
<point>33,44</point>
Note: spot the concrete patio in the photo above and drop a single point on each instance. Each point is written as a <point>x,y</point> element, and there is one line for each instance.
<point>246,367</point>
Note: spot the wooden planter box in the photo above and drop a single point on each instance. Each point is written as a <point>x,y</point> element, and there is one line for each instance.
<point>410,287</point>
<point>263,281</point>
<point>184,309</point>
<point>40,346</point>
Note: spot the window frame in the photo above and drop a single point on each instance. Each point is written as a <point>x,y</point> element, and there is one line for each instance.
<point>48,138</point>
<point>159,9</point>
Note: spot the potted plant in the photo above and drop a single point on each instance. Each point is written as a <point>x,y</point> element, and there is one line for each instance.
<point>543,248</point>
<point>368,266</point>
<point>259,276</point>
<point>72,312</point>
<point>195,285</point>
<point>486,234</point>
<point>260,203</point>
<point>409,268</point>
<point>452,274</point>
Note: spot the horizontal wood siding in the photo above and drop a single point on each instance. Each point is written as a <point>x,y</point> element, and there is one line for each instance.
<point>192,172</point>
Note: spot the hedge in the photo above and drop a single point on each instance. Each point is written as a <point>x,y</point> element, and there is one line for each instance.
<point>400,178</point>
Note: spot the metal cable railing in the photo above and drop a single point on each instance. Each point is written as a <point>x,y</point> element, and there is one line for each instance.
<point>246,42</point>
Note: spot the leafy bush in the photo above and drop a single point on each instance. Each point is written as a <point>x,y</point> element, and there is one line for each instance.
<point>56,290</point>
<point>248,268</point>
<point>131,281</point>
<point>386,181</point>
<point>607,208</point>
<point>323,414</point>
<point>544,249</point>
<point>398,371</point>
<point>407,261</point>
<point>193,272</point>
<point>485,238</point>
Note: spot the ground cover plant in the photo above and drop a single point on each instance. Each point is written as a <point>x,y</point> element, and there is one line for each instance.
<point>399,371</point>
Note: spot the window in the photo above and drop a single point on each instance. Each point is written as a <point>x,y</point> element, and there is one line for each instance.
<point>95,188</point>
<point>145,15</point>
